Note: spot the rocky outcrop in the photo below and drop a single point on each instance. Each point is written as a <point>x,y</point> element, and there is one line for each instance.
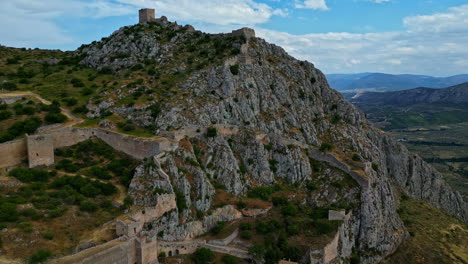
<point>283,111</point>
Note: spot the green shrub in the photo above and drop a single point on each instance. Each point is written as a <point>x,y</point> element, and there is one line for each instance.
<point>10,86</point>
<point>48,235</point>
<point>54,213</point>
<point>203,256</point>
<point>324,226</point>
<point>162,257</point>
<point>263,193</point>
<point>241,204</point>
<point>8,212</point>
<point>218,228</point>
<point>289,210</point>
<point>265,227</point>
<point>257,251</point>
<point>335,118</point>
<point>98,172</point>
<point>77,82</point>
<point>325,146</point>
<point>67,165</point>
<point>292,230</point>
<point>228,259</point>
<point>375,166</point>
<point>126,126</point>
<point>180,200</point>
<point>88,206</point>
<point>356,157</point>
<point>212,132</point>
<point>25,226</point>
<point>86,91</point>
<point>29,175</point>
<point>245,226</point>
<point>277,201</point>
<point>5,114</point>
<point>70,101</point>
<point>273,164</point>
<point>40,256</point>
<point>234,69</point>
<point>128,201</point>
<point>53,118</point>
<point>246,234</point>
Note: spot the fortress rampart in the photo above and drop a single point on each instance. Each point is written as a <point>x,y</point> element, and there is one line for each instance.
<point>39,149</point>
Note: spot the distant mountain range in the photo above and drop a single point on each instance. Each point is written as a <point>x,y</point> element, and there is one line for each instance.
<point>453,95</point>
<point>379,82</point>
<point>414,107</point>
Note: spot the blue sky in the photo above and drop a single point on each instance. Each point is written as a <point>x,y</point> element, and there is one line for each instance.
<point>339,36</point>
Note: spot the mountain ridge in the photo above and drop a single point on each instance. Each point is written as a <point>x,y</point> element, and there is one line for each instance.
<point>389,82</point>
<point>457,94</point>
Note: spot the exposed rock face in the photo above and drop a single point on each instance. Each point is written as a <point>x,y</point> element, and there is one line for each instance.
<point>282,109</point>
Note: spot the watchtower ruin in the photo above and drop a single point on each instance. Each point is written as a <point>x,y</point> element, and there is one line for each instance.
<point>146,15</point>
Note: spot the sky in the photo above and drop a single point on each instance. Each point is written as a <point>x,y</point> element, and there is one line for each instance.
<point>427,37</point>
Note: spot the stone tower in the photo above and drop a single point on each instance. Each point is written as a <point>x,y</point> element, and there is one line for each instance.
<point>146,15</point>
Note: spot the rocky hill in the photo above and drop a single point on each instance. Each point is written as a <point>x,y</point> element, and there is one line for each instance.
<point>278,110</point>
<point>453,95</point>
<point>251,119</point>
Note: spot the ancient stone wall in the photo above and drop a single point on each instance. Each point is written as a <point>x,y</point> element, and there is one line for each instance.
<point>13,152</point>
<point>225,241</point>
<point>336,215</point>
<point>146,250</point>
<point>244,32</point>
<point>177,248</point>
<point>40,150</point>
<point>136,147</point>
<point>115,252</point>
<point>66,137</point>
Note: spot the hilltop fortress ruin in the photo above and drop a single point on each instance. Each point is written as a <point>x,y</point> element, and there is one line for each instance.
<point>147,15</point>
<point>136,241</point>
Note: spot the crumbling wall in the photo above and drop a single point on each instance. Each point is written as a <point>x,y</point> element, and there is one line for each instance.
<point>66,137</point>
<point>136,147</point>
<point>146,250</point>
<point>177,248</point>
<point>13,152</point>
<point>115,252</point>
<point>40,150</point>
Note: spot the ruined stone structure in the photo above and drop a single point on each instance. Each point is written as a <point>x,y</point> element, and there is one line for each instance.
<point>40,150</point>
<point>338,244</point>
<point>147,15</point>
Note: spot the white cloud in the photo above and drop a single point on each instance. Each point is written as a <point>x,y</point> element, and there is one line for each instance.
<point>312,4</point>
<point>433,45</point>
<point>30,23</point>
<point>219,12</point>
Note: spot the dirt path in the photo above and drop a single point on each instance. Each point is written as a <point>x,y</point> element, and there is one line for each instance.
<point>72,120</point>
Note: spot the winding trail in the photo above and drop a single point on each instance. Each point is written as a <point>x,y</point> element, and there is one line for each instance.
<point>71,121</point>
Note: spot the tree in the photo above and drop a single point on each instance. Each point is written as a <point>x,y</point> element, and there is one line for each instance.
<point>40,256</point>
<point>257,251</point>
<point>203,256</point>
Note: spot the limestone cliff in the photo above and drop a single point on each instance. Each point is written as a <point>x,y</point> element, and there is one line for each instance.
<point>271,113</point>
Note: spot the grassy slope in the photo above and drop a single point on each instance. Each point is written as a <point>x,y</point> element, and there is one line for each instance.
<point>75,225</point>
<point>436,238</point>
